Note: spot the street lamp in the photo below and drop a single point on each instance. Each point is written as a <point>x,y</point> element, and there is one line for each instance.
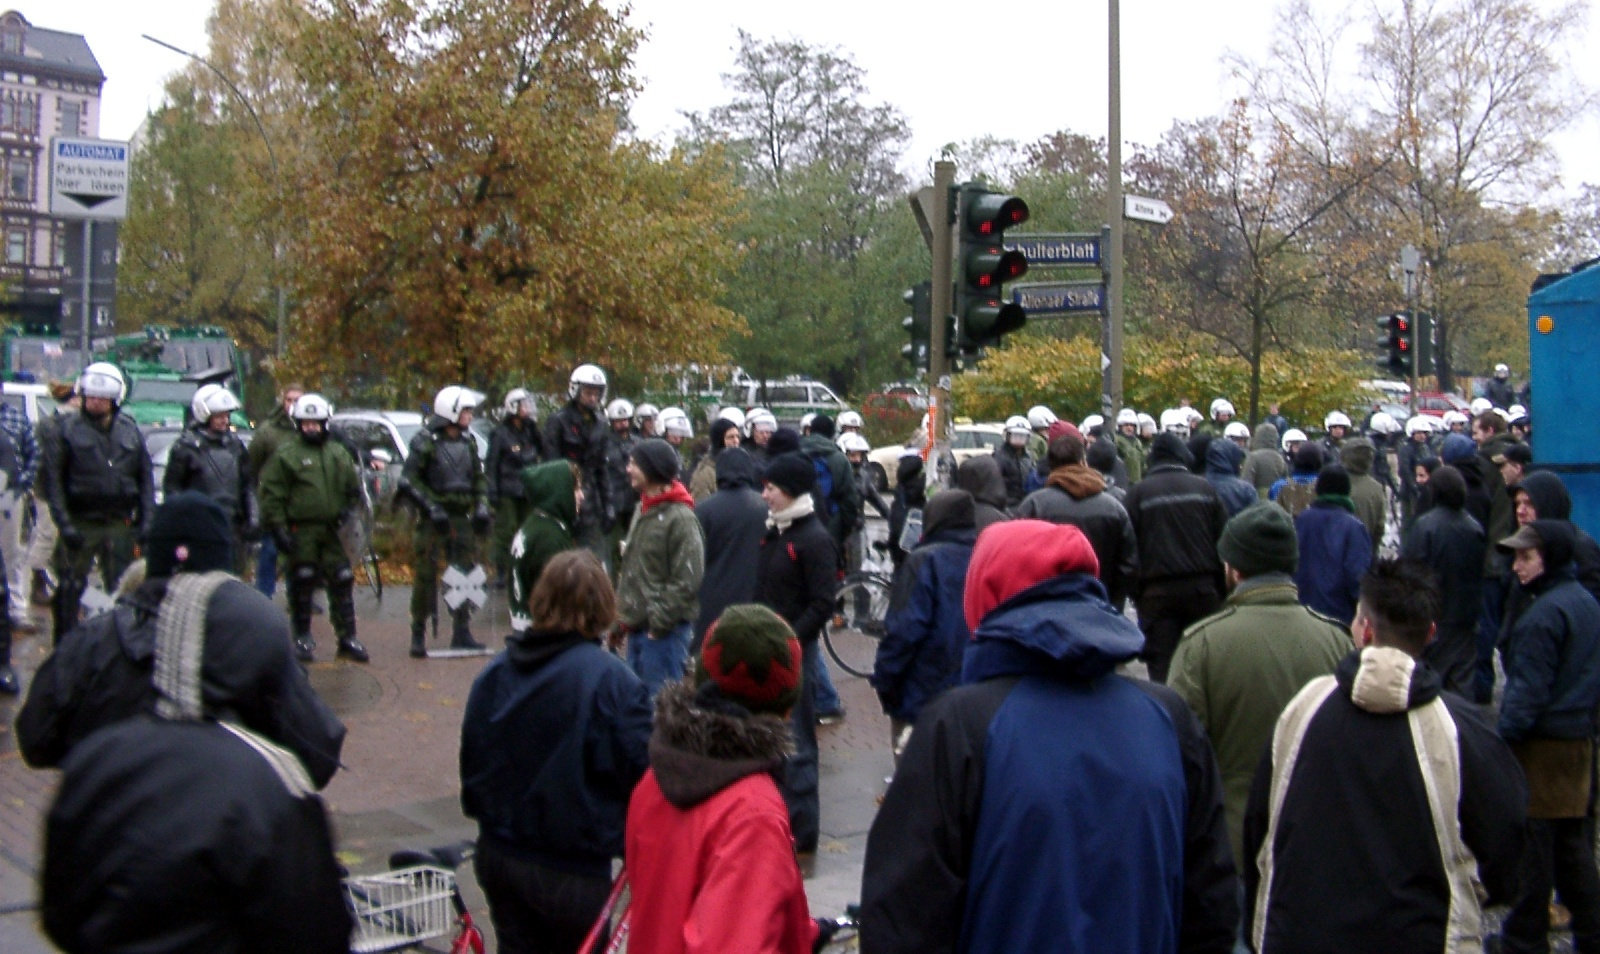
<point>277,180</point>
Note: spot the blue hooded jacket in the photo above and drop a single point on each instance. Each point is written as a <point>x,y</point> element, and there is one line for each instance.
<point>1223,459</point>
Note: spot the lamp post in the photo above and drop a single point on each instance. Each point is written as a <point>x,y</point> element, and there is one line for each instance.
<point>1111,339</point>
<point>277,180</point>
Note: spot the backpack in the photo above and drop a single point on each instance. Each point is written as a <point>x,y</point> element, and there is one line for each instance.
<point>822,493</point>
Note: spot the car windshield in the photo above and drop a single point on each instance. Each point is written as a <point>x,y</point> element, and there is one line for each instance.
<point>971,440</point>
<point>407,431</point>
<point>157,442</point>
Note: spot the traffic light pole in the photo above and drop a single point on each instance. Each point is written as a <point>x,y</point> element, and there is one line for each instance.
<point>1111,383</point>
<point>940,244</point>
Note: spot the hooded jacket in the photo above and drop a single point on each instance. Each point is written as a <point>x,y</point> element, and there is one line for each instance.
<point>553,740</point>
<point>709,851</point>
<point>733,520</point>
<point>1264,465</point>
<point>1361,762</point>
<point>103,675</point>
<point>980,477</point>
<point>1223,460</point>
<point>1238,667</point>
<point>924,630</point>
<point>1502,517</point>
<point>1076,495</point>
<point>1552,502</point>
<point>1450,543</point>
<point>551,494</point>
<point>1334,552</point>
<point>842,512</point>
<point>663,564</point>
<point>1004,760</point>
<point>1371,503</point>
<point>1552,656</point>
<point>910,493</point>
<point>1177,518</point>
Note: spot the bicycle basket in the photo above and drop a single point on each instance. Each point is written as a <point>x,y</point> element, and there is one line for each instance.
<point>394,909</point>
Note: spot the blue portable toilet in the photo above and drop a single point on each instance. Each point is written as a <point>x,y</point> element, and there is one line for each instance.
<point>1564,344</point>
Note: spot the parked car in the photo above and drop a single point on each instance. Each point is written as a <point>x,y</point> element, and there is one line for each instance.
<point>384,440</point>
<point>789,400</point>
<point>968,441</point>
<point>1436,403</point>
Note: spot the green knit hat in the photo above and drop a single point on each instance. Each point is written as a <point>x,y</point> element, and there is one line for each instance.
<point>754,658</point>
<point>1260,539</point>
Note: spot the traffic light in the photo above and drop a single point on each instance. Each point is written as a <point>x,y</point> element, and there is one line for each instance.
<point>919,324</point>
<point>1422,337</point>
<point>1396,344</point>
<point>983,264</point>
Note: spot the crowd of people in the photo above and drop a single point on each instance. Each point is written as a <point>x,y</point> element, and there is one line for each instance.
<point>1317,753</point>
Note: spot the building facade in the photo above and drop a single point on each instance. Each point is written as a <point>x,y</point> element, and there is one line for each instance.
<point>50,86</point>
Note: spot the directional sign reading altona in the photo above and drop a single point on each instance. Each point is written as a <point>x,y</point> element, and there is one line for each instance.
<point>1060,298</point>
<point>1146,210</point>
<point>88,179</point>
<point>1057,248</point>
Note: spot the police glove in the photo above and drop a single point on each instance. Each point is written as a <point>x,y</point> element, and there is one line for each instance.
<point>439,519</point>
<point>480,518</point>
<point>283,540</point>
<point>71,537</point>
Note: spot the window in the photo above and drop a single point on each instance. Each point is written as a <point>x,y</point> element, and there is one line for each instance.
<point>70,110</point>
<point>58,248</point>
<point>19,178</point>
<point>16,246</point>
<point>787,394</point>
<point>11,42</point>
<point>8,113</point>
<point>27,114</point>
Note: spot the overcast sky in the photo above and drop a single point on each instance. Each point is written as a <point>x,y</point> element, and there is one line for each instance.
<point>1172,61</point>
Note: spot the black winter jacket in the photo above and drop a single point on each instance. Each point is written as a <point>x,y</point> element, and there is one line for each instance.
<point>218,466</point>
<point>552,742</point>
<point>1015,465</point>
<point>1101,518</point>
<point>1552,662</point>
<point>98,472</point>
<point>734,520</point>
<point>578,434</point>
<point>797,575</point>
<point>514,446</point>
<point>1177,520</point>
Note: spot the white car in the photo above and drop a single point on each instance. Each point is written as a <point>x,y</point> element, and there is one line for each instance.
<point>968,441</point>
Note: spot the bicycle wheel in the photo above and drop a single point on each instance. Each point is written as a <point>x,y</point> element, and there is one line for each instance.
<point>374,577</point>
<point>851,635</point>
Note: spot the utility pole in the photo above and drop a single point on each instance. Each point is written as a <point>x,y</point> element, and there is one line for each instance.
<point>940,245</point>
<point>1111,341</point>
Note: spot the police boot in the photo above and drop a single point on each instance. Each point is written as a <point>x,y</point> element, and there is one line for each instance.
<point>460,636</point>
<point>8,676</point>
<point>302,580</point>
<point>342,603</point>
<point>419,642</point>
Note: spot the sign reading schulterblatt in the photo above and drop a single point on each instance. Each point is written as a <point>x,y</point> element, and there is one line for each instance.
<point>88,179</point>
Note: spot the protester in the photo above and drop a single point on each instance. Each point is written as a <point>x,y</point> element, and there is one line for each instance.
<point>1361,764</point>
<point>1223,460</point>
<point>980,477</point>
<point>1367,495</point>
<point>1450,544</point>
<point>663,563</point>
<point>1334,548</point>
<point>733,520</point>
<point>1295,492</point>
<point>554,721</point>
<point>552,495</point>
<point>1076,494</point>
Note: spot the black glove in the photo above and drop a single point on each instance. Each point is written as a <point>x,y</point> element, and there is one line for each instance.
<point>283,539</point>
<point>439,519</point>
<point>481,518</point>
<point>71,537</point>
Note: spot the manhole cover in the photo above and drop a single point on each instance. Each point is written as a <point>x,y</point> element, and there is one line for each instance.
<point>346,689</point>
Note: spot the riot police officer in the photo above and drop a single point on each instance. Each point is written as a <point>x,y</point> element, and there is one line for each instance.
<point>310,487</point>
<point>444,477</point>
<point>624,499</point>
<point>100,490</point>
<point>211,459</point>
<point>514,446</point>
<point>577,433</point>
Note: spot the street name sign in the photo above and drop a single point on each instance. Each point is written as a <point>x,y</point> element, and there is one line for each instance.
<point>1146,210</point>
<point>1057,248</point>
<point>1060,298</point>
<point>88,178</point>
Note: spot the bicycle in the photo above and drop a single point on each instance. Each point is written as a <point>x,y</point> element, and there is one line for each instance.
<point>412,902</point>
<point>852,633</point>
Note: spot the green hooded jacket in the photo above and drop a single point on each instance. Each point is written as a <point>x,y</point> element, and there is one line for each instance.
<point>1265,464</point>
<point>1371,503</point>
<point>550,492</point>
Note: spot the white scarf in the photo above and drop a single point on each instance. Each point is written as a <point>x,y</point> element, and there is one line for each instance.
<point>802,507</point>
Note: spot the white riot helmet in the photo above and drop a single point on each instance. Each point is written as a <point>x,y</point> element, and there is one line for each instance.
<point>1128,416</point>
<point>1221,406</point>
<point>1504,414</point>
<point>729,413</point>
<point>854,443</point>
<point>1194,416</point>
<point>1017,424</point>
<point>1479,405</point>
<point>1291,437</point>
<point>212,399</point>
<point>586,376</point>
<point>645,412</point>
<point>673,420</point>
<point>103,379</point>
<point>619,410</point>
<point>1236,430</point>
<point>1516,411</point>
<point>849,419</point>
<point>805,421</point>
<point>1336,419</point>
<point>451,401</point>
<point>1091,422</point>
<point>1421,424</point>
<point>1176,420</point>
<point>759,419</point>
<point>1146,423</point>
<point>1502,371</point>
<point>515,398</point>
<point>1040,417</point>
<point>1384,423</point>
<point>1452,418</point>
<point>311,407</point>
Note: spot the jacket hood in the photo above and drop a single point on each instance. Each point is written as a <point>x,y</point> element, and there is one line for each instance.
<point>949,510</point>
<point>908,474</point>
<point>533,648</point>
<point>980,477</point>
<point>1548,495</point>
<point>1224,457</point>
<point>1078,480</point>
<point>1384,680</point>
<point>1197,447</point>
<point>1063,628</point>
<point>1168,448</point>
<point>550,487</point>
<point>1266,437</point>
<point>703,743</point>
<point>735,469</point>
<point>1357,454</point>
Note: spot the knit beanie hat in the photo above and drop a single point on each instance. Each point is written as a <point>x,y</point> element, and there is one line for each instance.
<point>1333,481</point>
<point>1307,458</point>
<point>1062,429</point>
<point>822,425</point>
<point>791,473</point>
<point>1457,448</point>
<point>754,658</point>
<point>1013,555</point>
<point>782,441</point>
<point>1260,539</point>
<point>190,534</point>
<point>656,460</point>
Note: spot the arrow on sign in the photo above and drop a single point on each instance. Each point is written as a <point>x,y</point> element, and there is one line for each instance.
<point>86,200</point>
<point>1146,210</point>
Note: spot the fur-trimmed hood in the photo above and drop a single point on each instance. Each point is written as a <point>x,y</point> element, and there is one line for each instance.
<point>703,743</point>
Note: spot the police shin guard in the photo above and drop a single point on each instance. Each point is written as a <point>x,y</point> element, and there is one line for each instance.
<point>460,635</point>
<point>342,609</point>
<point>302,586</point>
